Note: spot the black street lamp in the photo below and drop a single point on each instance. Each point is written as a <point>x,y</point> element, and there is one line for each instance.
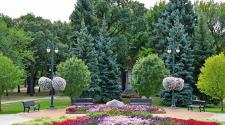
<point>173,50</point>
<point>52,49</point>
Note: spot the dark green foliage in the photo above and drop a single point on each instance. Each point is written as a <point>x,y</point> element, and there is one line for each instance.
<point>183,9</point>
<point>184,59</point>
<point>203,47</point>
<point>183,63</point>
<point>187,16</point>
<point>182,97</point>
<point>83,47</point>
<point>83,11</point>
<point>215,17</point>
<point>175,29</point>
<point>108,67</point>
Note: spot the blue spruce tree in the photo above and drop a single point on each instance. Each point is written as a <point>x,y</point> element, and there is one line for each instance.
<point>109,69</point>
<point>83,47</point>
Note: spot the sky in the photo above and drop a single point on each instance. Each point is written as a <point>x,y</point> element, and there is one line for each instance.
<point>49,9</point>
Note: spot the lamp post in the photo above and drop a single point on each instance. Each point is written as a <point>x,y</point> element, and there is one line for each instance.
<point>173,50</point>
<point>52,49</point>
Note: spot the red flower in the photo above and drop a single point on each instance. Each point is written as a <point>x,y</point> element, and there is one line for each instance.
<point>194,122</point>
<point>79,120</point>
<point>71,109</point>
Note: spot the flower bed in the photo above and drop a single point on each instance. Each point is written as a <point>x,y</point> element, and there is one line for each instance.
<point>194,122</point>
<point>126,120</point>
<point>104,108</point>
<point>127,115</point>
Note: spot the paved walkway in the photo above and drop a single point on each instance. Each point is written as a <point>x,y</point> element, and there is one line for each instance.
<point>8,119</point>
<point>174,113</point>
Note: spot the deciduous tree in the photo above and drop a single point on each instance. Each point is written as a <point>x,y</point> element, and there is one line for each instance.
<point>212,78</point>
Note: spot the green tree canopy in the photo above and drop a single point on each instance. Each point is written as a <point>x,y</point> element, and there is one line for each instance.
<point>203,46</point>
<point>77,76</point>
<point>14,43</point>
<point>10,75</point>
<point>212,78</point>
<point>147,75</point>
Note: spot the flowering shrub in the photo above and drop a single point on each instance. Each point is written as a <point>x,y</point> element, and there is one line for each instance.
<point>114,110</point>
<point>173,83</point>
<point>59,83</point>
<point>45,83</point>
<point>194,122</point>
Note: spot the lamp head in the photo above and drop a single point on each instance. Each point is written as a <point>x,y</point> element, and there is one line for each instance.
<point>48,50</point>
<point>178,50</point>
<point>169,51</point>
<point>56,50</point>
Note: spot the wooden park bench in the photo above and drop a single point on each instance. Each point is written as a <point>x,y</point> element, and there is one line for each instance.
<point>140,101</point>
<point>82,101</point>
<point>30,104</point>
<point>197,104</point>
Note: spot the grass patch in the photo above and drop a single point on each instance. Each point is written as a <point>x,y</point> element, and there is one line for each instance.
<point>12,108</point>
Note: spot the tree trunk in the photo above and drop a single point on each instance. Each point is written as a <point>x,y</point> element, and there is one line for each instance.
<point>71,101</point>
<point>30,87</point>
<point>25,83</point>
<point>221,105</point>
<point>18,88</point>
<point>7,93</point>
<point>0,103</point>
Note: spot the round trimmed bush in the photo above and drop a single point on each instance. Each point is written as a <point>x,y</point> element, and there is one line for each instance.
<point>77,76</point>
<point>147,75</point>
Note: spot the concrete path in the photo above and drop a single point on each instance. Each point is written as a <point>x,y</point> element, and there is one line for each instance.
<point>9,119</point>
<point>220,117</point>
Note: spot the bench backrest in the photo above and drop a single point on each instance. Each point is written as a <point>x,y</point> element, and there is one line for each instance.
<point>82,99</point>
<point>135,100</point>
<point>198,102</point>
<point>28,103</point>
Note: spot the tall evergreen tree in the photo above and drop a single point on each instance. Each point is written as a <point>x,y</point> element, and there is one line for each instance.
<point>83,11</point>
<point>183,66</point>
<point>203,46</point>
<point>177,24</point>
<point>187,18</point>
<point>108,67</point>
<point>83,47</point>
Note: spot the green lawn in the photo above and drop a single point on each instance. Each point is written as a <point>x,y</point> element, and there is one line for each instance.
<point>63,102</point>
<point>17,107</point>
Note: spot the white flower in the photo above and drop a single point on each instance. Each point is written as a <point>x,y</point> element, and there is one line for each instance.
<point>59,83</point>
<point>173,83</point>
<point>45,83</point>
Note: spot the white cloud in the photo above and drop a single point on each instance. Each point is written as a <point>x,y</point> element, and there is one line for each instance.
<point>49,9</point>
